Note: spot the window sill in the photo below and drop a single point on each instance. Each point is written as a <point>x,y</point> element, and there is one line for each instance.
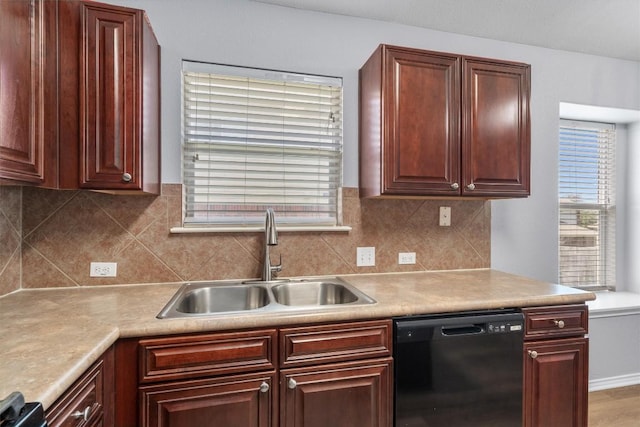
<point>281,228</point>
<point>613,304</point>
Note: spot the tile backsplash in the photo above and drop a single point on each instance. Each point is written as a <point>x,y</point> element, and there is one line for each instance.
<point>51,237</point>
<point>10,238</point>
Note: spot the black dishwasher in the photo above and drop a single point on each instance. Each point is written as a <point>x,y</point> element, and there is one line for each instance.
<point>459,370</point>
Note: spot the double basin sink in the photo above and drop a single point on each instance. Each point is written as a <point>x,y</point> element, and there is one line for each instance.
<point>228,297</point>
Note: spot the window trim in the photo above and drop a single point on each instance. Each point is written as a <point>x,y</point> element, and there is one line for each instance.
<point>606,210</point>
<point>253,225</point>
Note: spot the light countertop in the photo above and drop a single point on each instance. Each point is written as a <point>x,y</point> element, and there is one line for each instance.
<point>51,336</point>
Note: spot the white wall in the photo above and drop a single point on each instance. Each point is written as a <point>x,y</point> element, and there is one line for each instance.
<point>632,242</point>
<point>614,351</point>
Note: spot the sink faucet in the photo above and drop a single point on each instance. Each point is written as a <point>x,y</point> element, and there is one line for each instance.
<point>270,239</point>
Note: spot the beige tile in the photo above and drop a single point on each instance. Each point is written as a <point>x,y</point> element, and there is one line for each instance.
<point>11,206</point>
<point>172,190</point>
<point>77,234</point>
<point>134,213</point>
<point>39,272</point>
<point>68,230</point>
<point>135,264</point>
<point>38,204</point>
<point>10,241</point>
<point>10,275</point>
<point>307,254</point>
<point>227,259</point>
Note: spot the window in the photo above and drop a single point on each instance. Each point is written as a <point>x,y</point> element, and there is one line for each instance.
<point>587,206</point>
<point>254,139</point>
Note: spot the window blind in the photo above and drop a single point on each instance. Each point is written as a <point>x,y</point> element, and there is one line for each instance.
<point>587,208</point>
<point>254,139</point>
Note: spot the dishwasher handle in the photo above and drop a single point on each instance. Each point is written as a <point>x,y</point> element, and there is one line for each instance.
<point>453,331</point>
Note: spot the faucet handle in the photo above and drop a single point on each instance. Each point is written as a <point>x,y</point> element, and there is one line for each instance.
<point>277,268</point>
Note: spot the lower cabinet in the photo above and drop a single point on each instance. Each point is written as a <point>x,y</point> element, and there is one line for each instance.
<point>340,395</point>
<point>89,401</point>
<point>556,355</point>
<point>242,400</point>
<point>325,375</point>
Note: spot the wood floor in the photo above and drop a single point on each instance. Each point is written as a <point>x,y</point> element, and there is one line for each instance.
<point>616,407</point>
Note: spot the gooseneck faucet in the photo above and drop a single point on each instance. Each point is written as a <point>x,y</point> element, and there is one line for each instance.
<point>270,239</point>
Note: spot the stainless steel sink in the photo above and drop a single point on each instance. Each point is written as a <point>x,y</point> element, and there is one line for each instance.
<point>214,299</point>
<point>210,298</point>
<point>224,297</point>
<point>317,294</point>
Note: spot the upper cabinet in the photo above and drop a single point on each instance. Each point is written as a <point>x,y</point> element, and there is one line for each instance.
<point>90,117</point>
<point>27,86</point>
<point>119,100</point>
<point>440,124</point>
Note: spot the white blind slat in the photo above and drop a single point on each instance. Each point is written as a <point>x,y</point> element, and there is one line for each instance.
<point>254,139</point>
<point>586,196</point>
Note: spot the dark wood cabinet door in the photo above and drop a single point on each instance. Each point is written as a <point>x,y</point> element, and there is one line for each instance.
<point>440,124</point>
<point>495,129</point>
<point>339,395</point>
<point>108,101</point>
<point>239,401</point>
<point>421,142</point>
<point>27,88</point>
<point>555,383</point>
<point>119,100</point>
<point>89,401</point>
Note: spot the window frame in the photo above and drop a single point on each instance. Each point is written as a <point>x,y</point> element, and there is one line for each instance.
<point>257,220</point>
<point>604,206</point>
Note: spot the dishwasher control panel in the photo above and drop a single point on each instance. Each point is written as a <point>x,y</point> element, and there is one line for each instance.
<point>504,327</point>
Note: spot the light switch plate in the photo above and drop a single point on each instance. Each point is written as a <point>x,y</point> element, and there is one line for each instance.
<point>366,257</point>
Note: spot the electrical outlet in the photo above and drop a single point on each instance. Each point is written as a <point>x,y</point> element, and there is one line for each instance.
<point>366,257</point>
<point>406,258</point>
<point>445,216</point>
<point>103,269</point>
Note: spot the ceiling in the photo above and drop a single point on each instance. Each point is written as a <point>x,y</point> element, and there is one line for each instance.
<point>599,27</point>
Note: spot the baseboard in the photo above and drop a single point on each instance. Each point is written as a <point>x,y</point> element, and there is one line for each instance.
<point>614,382</point>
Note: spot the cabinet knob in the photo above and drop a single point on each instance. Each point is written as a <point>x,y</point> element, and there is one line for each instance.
<point>264,387</point>
<point>455,186</point>
<point>533,354</point>
<point>471,187</point>
<point>559,323</point>
<point>82,415</point>
<point>292,383</point>
<point>126,177</point>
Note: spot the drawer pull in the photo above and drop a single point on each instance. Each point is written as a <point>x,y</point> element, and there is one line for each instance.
<point>292,383</point>
<point>264,387</point>
<point>84,415</point>
<point>533,354</point>
<point>559,323</point>
<point>455,186</point>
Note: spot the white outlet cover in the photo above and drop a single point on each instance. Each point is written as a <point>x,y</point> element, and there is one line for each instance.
<point>406,258</point>
<point>103,269</point>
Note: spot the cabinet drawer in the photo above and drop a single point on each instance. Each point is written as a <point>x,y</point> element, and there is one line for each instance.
<point>561,321</point>
<point>211,354</point>
<point>310,345</point>
<point>84,403</point>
